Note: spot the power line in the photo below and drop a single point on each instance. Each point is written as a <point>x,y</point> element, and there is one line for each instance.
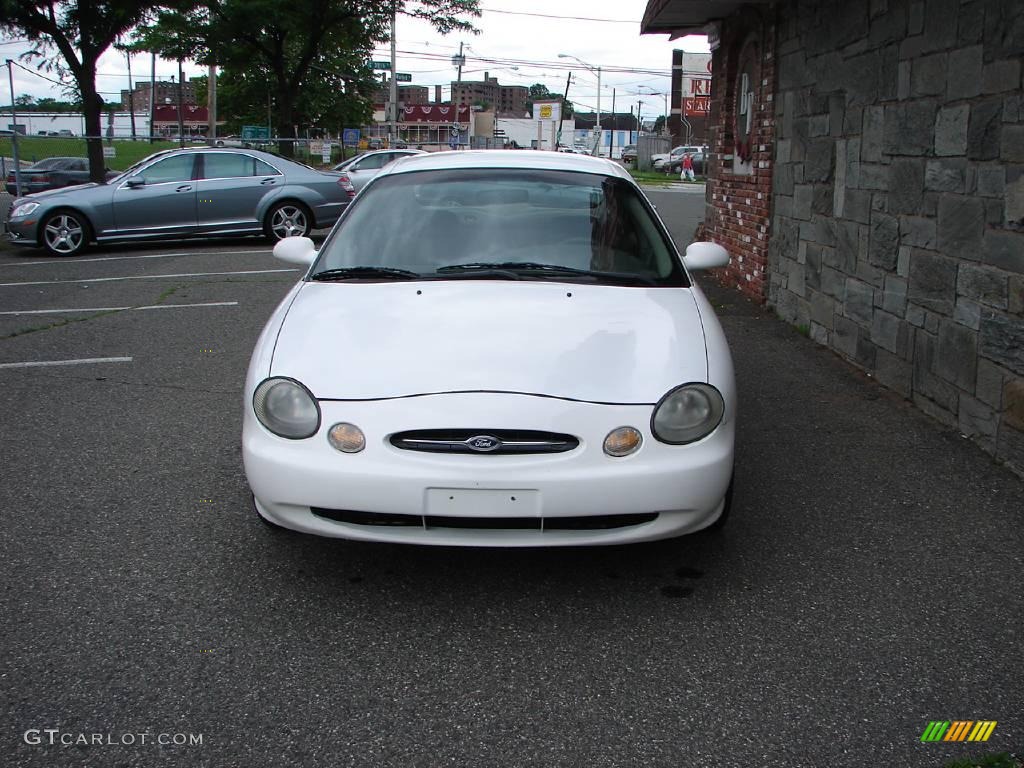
<point>44,77</point>
<point>567,18</point>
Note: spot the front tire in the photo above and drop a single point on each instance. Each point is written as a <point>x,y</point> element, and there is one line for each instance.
<point>288,219</point>
<point>65,233</point>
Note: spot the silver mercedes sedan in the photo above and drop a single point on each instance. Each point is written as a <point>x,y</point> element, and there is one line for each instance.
<point>361,168</point>
<point>197,192</point>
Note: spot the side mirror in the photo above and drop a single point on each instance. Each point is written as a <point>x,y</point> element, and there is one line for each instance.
<point>136,181</point>
<point>705,256</point>
<point>296,250</point>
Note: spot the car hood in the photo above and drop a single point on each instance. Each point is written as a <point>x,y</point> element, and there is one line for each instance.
<point>50,193</point>
<point>602,344</point>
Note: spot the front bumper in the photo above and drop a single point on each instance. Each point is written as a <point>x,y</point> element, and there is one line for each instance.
<point>684,485</point>
<point>22,231</point>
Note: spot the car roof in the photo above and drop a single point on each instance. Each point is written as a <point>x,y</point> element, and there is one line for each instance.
<point>507,158</point>
<point>232,150</point>
<point>410,150</point>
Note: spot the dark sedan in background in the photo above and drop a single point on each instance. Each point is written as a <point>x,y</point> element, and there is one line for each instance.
<point>178,193</point>
<point>52,173</point>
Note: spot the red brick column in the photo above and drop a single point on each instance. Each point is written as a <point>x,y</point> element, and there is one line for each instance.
<point>739,208</point>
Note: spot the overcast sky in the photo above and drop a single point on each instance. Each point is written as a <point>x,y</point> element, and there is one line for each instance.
<point>515,47</point>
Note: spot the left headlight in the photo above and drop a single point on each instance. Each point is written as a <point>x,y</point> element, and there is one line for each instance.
<point>286,408</point>
<point>687,413</point>
<point>24,209</point>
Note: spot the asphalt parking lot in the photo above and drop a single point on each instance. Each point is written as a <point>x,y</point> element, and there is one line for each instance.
<point>868,581</point>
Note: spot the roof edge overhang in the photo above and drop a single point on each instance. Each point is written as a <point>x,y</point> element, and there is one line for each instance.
<point>678,18</point>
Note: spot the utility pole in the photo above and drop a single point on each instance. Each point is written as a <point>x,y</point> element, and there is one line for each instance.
<point>14,132</point>
<point>211,103</point>
<point>561,113</point>
<point>459,61</point>
<point>393,96</point>
<point>181,117</point>
<point>599,112</point>
<point>152,99</point>
<point>131,92</point>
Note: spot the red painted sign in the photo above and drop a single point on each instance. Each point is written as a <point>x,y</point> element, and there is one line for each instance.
<point>701,86</point>
<point>698,106</point>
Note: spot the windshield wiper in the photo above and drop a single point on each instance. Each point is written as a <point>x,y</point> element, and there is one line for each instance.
<point>354,273</point>
<point>477,269</point>
<point>520,268</point>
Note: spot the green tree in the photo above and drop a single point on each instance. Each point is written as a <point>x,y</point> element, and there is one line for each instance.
<point>304,56</point>
<point>68,37</point>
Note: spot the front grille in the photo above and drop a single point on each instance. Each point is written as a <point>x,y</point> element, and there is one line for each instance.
<point>484,441</point>
<point>580,523</point>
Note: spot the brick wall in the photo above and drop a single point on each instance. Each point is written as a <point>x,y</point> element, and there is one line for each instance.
<point>739,208</point>
<point>898,229</point>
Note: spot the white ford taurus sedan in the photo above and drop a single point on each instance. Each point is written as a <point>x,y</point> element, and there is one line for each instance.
<point>493,348</point>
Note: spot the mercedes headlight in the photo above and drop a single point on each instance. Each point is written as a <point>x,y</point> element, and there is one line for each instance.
<point>687,413</point>
<point>24,209</point>
<point>286,408</point>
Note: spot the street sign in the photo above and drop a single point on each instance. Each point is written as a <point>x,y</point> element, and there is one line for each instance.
<point>381,64</point>
<point>403,77</point>
<point>350,136</point>
<point>325,152</point>
<point>109,150</point>
<point>254,132</point>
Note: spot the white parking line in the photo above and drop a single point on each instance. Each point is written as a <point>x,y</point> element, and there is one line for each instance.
<point>118,309</point>
<point>137,256</point>
<point>149,277</point>
<point>40,363</point>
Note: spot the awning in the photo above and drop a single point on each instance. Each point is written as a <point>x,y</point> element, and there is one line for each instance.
<point>677,18</point>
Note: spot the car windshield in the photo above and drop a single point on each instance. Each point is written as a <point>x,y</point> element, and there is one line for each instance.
<point>50,163</point>
<point>501,224</point>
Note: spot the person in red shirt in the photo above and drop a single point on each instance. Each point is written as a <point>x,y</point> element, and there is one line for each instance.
<point>688,167</point>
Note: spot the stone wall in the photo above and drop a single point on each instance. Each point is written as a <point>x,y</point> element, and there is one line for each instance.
<point>899,200</point>
<point>739,205</point>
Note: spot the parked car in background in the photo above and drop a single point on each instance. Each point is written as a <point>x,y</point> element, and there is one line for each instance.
<point>629,153</point>
<point>179,193</point>
<point>361,168</point>
<point>663,162</point>
<point>516,355</point>
<point>52,173</point>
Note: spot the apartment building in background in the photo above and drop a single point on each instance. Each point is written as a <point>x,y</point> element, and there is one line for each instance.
<point>166,93</point>
<point>505,99</point>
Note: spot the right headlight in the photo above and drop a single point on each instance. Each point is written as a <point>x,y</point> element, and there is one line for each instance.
<point>286,408</point>
<point>24,209</point>
<point>687,413</point>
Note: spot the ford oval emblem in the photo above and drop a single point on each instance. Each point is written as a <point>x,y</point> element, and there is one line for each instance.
<point>483,443</point>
